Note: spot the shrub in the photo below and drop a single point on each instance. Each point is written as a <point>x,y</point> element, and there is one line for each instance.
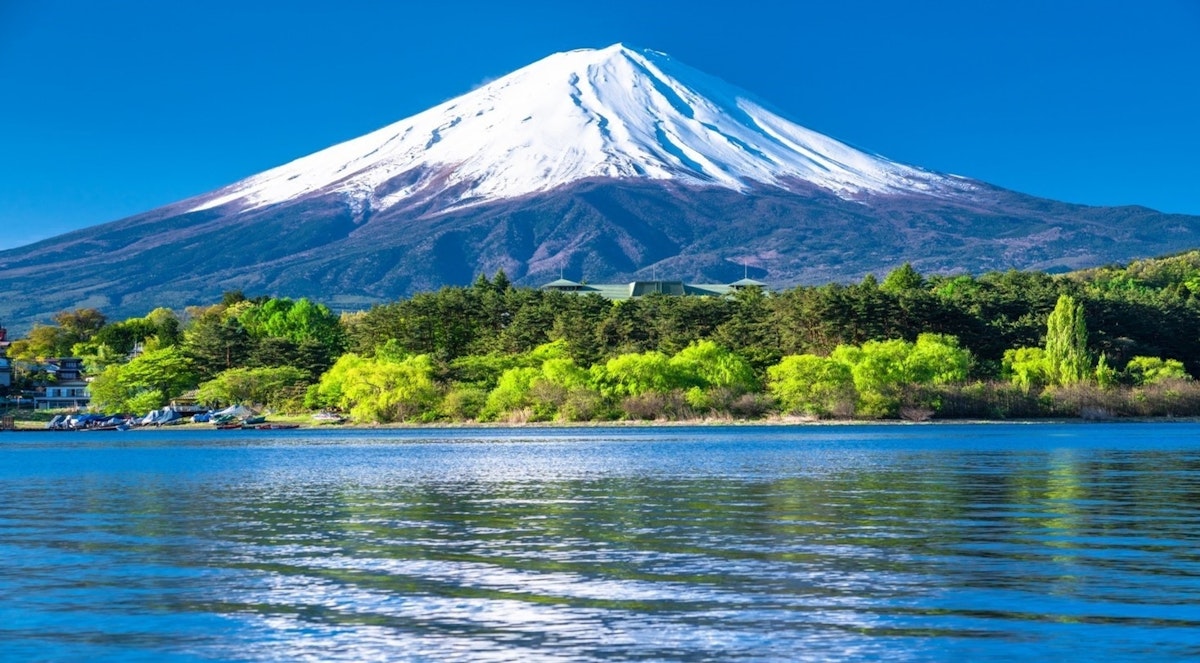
<point>1027,368</point>
<point>583,404</point>
<point>262,386</point>
<point>650,406</point>
<point>463,402</point>
<point>1149,370</point>
<point>1167,398</point>
<point>1087,400</point>
<point>981,400</point>
<point>751,406</point>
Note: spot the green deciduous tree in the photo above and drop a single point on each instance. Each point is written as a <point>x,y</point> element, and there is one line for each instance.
<point>564,372</point>
<point>97,356</point>
<point>152,378</point>
<point>168,370</point>
<point>1149,370</point>
<point>937,359</point>
<point>886,371</point>
<point>1027,368</point>
<point>275,386</point>
<point>514,391</point>
<point>111,394</point>
<point>705,364</point>
<point>538,385</point>
<point>381,389</point>
<point>80,324</point>
<point>634,374</point>
<point>808,384</point>
<point>115,341</point>
<point>1066,343</point>
<point>296,321</point>
<point>58,340</point>
<point>879,374</point>
<point>1106,375</point>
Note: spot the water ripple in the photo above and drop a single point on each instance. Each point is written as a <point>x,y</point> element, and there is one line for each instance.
<point>864,543</point>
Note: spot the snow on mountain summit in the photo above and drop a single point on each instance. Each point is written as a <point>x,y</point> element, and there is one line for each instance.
<point>595,113</point>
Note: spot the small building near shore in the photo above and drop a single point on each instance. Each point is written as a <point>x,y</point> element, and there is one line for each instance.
<point>188,403</point>
<point>66,388</point>
<point>6,369</point>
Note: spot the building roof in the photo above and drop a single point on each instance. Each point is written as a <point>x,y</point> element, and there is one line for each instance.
<point>562,283</point>
<point>743,283</point>
<point>635,289</point>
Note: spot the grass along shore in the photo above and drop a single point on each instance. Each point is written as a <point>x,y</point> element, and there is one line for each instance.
<point>37,420</point>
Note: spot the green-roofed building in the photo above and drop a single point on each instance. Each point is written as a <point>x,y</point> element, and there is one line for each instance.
<point>635,289</point>
<point>563,285</point>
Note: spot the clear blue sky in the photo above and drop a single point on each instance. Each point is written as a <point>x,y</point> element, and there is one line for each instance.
<point>112,108</point>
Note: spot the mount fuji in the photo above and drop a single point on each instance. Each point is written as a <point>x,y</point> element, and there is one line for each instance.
<point>601,164</point>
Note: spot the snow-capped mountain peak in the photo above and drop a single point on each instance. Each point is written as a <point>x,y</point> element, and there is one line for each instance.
<point>608,165</point>
<point>615,112</point>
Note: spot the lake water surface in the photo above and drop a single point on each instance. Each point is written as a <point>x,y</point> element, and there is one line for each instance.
<point>932,542</point>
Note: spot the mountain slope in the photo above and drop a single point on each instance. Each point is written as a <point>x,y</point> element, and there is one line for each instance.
<point>606,164</point>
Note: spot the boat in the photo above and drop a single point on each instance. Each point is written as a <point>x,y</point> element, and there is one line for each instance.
<point>239,411</point>
<point>329,418</point>
<point>272,426</point>
<point>255,420</point>
<point>228,425</point>
<point>161,417</point>
<point>121,426</point>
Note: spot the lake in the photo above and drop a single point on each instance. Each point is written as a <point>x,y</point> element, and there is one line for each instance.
<point>888,542</point>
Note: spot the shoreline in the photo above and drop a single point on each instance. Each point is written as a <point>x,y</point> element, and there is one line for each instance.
<point>777,422</point>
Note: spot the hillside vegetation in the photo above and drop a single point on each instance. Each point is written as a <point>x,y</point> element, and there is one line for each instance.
<point>1112,341</point>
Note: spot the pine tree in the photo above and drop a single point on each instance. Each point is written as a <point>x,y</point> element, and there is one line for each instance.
<point>901,279</point>
<point>500,282</point>
<point>1066,342</point>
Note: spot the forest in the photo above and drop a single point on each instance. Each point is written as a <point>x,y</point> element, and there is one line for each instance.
<point>1116,341</point>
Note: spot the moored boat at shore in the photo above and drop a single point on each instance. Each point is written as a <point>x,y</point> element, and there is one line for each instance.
<point>326,417</point>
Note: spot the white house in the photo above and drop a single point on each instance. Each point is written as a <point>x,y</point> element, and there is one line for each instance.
<point>5,362</point>
<point>68,388</point>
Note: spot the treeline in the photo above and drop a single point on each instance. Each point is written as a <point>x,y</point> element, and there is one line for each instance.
<point>1109,341</point>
